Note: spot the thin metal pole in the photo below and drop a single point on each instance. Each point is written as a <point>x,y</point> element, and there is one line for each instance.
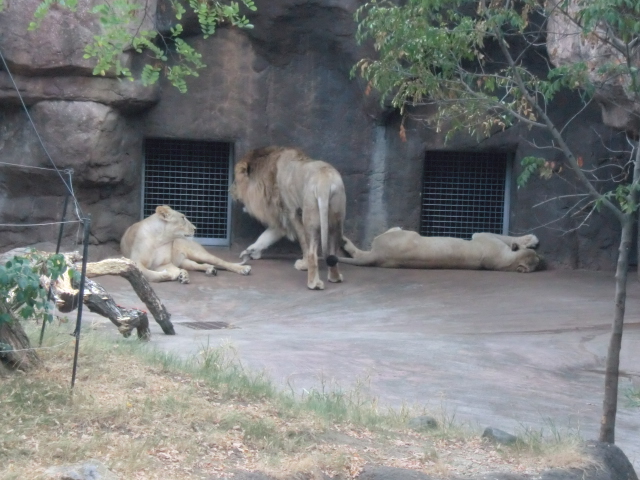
<point>76,333</point>
<point>64,216</point>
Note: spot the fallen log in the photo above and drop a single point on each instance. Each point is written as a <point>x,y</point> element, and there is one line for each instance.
<point>127,269</point>
<point>65,294</point>
<point>99,301</point>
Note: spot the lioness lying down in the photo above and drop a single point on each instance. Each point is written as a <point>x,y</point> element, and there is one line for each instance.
<point>397,248</point>
<point>163,251</point>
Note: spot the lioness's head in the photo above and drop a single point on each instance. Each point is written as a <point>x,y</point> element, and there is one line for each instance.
<point>176,222</point>
<point>527,260</point>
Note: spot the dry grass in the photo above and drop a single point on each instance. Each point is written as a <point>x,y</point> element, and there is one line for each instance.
<point>148,415</point>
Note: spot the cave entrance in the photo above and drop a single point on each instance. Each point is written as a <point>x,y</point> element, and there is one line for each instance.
<point>464,193</point>
<point>192,177</point>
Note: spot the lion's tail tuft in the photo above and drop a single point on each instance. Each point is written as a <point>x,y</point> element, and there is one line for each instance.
<point>332,260</point>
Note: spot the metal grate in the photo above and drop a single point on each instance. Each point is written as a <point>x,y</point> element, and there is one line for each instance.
<point>193,178</point>
<point>207,325</point>
<point>464,193</point>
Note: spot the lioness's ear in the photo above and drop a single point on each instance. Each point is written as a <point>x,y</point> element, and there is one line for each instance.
<point>515,247</point>
<point>163,211</point>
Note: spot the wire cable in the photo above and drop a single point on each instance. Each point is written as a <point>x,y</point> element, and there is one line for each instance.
<point>37,224</point>
<point>67,170</point>
<point>69,186</point>
<point>35,348</point>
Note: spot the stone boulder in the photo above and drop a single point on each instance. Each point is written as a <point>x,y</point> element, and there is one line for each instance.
<point>567,46</point>
<point>608,462</point>
<point>126,96</point>
<point>89,470</point>
<point>102,148</point>
<point>57,46</point>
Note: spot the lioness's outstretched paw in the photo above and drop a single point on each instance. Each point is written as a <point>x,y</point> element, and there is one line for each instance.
<point>245,270</point>
<point>211,271</point>
<point>316,285</point>
<point>529,241</point>
<point>183,277</point>
<point>301,265</point>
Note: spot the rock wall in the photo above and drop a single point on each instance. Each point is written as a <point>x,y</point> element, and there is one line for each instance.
<point>88,125</point>
<point>285,82</point>
<point>615,94</point>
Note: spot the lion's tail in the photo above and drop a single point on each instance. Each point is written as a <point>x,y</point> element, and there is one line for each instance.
<point>361,261</point>
<point>324,197</point>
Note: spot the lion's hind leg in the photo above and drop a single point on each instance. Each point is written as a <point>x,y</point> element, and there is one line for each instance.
<point>334,274</point>
<point>350,248</point>
<point>213,261</point>
<point>514,243</point>
<point>208,270</point>
<point>335,240</point>
<point>528,241</point>
<point>193,256</point>
<point>174,273</point>
<point>313,277</point>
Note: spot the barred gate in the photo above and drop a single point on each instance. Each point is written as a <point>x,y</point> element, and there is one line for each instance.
<point>192,177</point>
<point>464,193</point>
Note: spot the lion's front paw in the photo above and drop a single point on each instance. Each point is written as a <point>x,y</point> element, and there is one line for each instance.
<point>301,265</point>
<point>183,277</point>
<point>316,285</point>
<point>246,270</point>
<point>211,271</point>
<point>250,253</point>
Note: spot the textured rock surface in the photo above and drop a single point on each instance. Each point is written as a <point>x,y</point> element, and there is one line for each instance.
<point>609,463</point>
<point>566,46</point>
<point>90,470</point>
<point>57,46</point>
<point>100,146</point>
<point>124,95</point>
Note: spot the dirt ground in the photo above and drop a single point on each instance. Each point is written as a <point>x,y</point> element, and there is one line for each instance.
<point>507,350</point>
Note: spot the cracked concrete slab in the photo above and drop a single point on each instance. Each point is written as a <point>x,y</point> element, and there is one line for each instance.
<point>502,349</point>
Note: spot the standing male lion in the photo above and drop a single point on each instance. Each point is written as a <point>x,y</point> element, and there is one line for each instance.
<point>293,196</point>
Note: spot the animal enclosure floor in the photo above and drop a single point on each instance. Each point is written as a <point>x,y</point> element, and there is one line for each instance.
<point>494,349</point>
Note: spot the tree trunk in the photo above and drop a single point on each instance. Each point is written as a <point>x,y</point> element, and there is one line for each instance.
<point>19,356</point>
<point>610,403</point>
<point>612,374</point>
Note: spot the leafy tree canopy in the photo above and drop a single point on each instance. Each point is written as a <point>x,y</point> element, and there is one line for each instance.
<point>468,58</point>
<point>121,31</point>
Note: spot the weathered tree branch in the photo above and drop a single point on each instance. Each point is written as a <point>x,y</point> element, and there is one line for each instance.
<point>127,269</point>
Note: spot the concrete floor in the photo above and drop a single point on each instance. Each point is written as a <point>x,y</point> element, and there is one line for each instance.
<point>502,349</point>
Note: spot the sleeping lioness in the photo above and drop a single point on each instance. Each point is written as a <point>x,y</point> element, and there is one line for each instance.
<point>397,248</point>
